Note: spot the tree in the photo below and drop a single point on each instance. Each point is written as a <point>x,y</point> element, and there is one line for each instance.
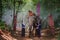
<point>50,5</point>
<point>15,14</point>
<point>57,21</point>
<point>0,9</point>
<point>35,2</point>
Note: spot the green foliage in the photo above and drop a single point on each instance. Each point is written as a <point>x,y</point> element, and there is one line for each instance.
<point>35,1</point>
<point>59,36</point>
<point>7,4</point>
<point>57,21</point>
<point>1,9</point>
<point>2,25</point>
<point>50,4</point>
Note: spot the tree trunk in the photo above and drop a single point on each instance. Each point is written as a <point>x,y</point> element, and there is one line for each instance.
<point>0,10</point>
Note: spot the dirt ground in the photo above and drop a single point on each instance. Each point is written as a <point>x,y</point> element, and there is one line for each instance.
<point>17,36</point>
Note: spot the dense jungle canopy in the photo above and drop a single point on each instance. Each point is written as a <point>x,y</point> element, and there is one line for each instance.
<point>47,6</point>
